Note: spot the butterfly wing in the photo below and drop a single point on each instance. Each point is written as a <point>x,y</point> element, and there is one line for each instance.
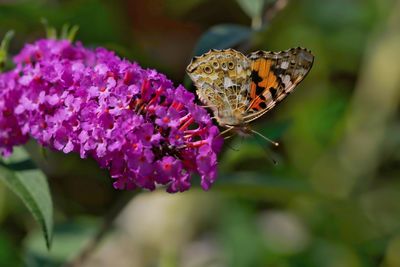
<point>222,78</point>
<point>274,75</point>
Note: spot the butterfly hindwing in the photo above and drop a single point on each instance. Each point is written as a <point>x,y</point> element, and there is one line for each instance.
<point>222,78</point>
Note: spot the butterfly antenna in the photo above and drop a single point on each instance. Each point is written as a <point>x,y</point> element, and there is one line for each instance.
<point>264,137</point>
<point>267,154</point>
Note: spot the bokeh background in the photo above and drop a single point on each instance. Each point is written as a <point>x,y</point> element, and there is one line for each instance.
<point>331,200</point>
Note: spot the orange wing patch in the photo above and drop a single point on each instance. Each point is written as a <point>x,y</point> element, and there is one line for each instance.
<point>264,84</point>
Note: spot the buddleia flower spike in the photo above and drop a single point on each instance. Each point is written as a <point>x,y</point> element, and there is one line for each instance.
<point>131,120</point>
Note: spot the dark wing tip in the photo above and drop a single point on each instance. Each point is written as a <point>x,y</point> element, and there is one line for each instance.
<point>305,53</point>
<point>256,54</point>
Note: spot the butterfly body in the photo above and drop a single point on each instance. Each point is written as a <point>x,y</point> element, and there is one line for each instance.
<point>240,89</point>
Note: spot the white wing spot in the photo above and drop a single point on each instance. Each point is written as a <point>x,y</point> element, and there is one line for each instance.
<point>284,65</point>
<point>228,82</point>
<point>286,81</point>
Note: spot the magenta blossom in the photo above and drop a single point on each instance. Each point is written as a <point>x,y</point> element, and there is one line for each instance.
<point>132,121</point>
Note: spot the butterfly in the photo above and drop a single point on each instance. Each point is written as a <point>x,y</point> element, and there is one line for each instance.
<point>239,89</point>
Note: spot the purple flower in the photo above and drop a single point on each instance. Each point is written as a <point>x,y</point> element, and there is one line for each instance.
<point>132,121</point>
<point>10,131</point>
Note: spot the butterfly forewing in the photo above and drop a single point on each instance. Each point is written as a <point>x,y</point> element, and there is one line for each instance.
<point>274,75</point>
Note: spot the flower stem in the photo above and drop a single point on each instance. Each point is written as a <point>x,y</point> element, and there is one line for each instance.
<point>102,231</point>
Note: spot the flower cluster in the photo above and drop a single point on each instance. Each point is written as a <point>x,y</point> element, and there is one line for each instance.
<point>132,121</point>
<point>10,132</point>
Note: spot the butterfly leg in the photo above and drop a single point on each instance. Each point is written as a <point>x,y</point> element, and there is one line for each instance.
<point>229,136</point>
<point>227,130</point>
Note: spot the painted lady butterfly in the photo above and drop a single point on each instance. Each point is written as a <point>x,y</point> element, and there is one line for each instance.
<point>240,89</point>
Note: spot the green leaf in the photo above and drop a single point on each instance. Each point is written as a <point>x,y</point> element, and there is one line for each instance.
<point>72,33</point>
<point>222,36</point>
<point>64,31</point>
<point>68,33</point>
<point>30,184</point>
<point>51,32</point>
<point>253,8</point>
<point>4,48</point>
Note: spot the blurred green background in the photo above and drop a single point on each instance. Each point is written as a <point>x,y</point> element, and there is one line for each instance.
<point>332,199</point>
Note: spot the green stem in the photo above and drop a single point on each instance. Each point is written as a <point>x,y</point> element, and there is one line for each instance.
<point>102,231</point>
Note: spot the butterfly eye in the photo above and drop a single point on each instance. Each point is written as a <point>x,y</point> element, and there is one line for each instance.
<point>207,69</point>
<point>231,65</point>
<point>215,65</point>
